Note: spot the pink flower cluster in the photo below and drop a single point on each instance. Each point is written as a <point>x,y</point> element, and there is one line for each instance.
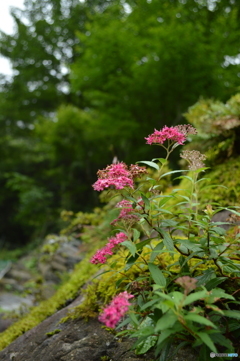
<point>126,213</point>
<point>117,175</point>
<point>100,255</point>
<point>172,133</point>
<point>116,310</point>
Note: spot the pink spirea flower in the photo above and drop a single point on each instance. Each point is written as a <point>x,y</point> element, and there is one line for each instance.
<point>100,255</point>
<point>119,238</point>
<point>116,310</point>
<point>126,212</point>
<point>116,175</point>
<point>172,133</point>
<point>118,183</point>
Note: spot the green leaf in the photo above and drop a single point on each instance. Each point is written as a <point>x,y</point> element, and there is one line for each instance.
<point>136,234</point>
<point>161,160</point>
<point>218,230</point>
<point>165,351</point>
<point>131,246</point>
<point>231,210</point>
<point>146,344</point>
<point>119,281</point>
<point>172,172</point>
<point>141,244</point>
<point>133,318</point>
<point>166,321</point>
<point>164,201</point>
<point>223,341</point>
<point>131,261</point>
<point>190,245</point>
<point>157,275</point>
<point>167,240</point>
<point>207,340</point>
<point>155,251</point>
<point>165,305</point>
<point>205,277</point>
<point>185,177</point>
<point>145,200</point>
<point>150,164</point>
<point>232,314</point>
<point>149,303</point>
<point>218,293</point>
<point>197,318</point>
<point>214,282</point>
<point>163,295</point>
<point>194,297</point>
<point>165,334</point>
<point>130,198</point>
<point>177,297</point>
<point>169,223</point>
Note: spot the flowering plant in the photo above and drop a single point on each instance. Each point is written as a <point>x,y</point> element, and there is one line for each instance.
<point>182,256</point>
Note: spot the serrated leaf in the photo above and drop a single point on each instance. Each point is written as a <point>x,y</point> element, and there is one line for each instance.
<point>167,240</point>
<point>155,251</point>
<point>169,223</point>
<point>218,230</point>
<point>136,234</point>
<point>232,314</point>
<point>214,282</point>
<point>150,164</point>
<point>165,305</point>
<point>165,334</point>
<point>177,297</point>
<point>157,275</point>
<point>190,245</point>
<point>165,322</point>
<point>206,339</point>
<point>223,341</point>
<point>197,318</point>
<point>194,297</point>
<point>217,293</point>
<point>130,246</point>
<point>205,277</point>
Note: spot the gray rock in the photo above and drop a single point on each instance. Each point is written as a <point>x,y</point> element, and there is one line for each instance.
<point>76,340</point>
<point>5,322</point>
<point>11,302</point>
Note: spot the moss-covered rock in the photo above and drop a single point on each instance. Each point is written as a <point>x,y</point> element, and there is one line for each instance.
<point>221,184</point>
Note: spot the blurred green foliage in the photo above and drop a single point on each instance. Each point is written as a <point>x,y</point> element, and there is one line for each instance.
<point>90,80</point>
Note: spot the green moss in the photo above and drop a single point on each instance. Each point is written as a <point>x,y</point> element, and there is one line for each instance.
<point>105,358</point>
<point>54,332</point>
<point>101,291</point>
<point>221,185</point>
<point>227,175</point>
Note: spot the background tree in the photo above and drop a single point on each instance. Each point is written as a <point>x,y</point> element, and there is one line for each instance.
<point>144,69</point>
<point>91,80</point>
